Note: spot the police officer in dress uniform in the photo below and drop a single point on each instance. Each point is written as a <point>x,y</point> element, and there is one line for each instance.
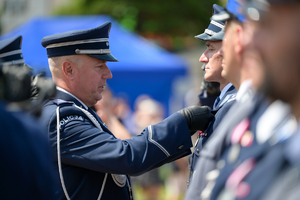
<point>20,95</point>
<point>279,16</point>
<point>243,69</point>
<point>26,169</point>
<point>285,14</point>
<point>212,150</point>
<point>212,59</point>
<point>254,157</point>
<point>90,159</point>
<point>14,69</point>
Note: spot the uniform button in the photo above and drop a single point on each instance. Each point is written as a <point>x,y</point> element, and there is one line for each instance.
<point>198,151</point>
<point>180,147</point>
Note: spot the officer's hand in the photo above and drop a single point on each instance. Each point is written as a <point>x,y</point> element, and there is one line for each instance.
<point>197,117</point>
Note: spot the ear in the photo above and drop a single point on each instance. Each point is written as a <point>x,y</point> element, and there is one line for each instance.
<point>68,69</point>
<point>238,39</point>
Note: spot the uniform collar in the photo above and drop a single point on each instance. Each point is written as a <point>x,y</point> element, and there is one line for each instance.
<point>244,87</point>
<point>65,91</point>
<point>225,89</point>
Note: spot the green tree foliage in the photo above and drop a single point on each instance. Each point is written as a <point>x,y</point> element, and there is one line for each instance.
<point>174,18</point>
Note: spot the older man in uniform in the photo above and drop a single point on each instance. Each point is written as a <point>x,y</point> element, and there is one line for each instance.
<point>212,59</point>
<point>90,158</point>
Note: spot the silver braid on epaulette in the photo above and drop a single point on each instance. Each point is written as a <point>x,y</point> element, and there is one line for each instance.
<point>89,115</point>
<point>96,123</point>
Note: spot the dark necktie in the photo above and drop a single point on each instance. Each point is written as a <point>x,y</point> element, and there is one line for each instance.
<point>216,102</point>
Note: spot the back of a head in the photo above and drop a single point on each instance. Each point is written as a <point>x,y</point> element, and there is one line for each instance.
<point>18,86</point>
<point>15,75</point>
<point>10,51</point>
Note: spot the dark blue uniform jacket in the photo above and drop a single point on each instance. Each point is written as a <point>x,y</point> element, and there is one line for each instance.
<point>87,152</point>
<point>264,161</point>
<point>27,171</point>
<point>222,108</point>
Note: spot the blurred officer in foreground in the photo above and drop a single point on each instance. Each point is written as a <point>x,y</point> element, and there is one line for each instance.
<point>20,95</point>
<point>91,160</point>
<point>252,121</point>
<point>255,142</point>
<point>276,20</point>
<point>26,169</point>
<point>213,68</point>
<point>16,74</point>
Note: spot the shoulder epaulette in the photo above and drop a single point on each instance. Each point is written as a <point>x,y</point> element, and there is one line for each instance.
<point>228,98</point>
<point>60,102</point>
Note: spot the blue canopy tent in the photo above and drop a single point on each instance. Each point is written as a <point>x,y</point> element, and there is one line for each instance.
<point>143,67</point>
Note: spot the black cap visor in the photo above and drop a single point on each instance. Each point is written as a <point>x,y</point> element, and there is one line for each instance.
<point>106,57</point>
<point>216,37</point>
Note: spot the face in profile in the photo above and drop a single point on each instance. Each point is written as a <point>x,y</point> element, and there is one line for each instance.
<point>278,43</point>
<point>90,79</point>
<point>252,61</point>
<point>231,66</point>
<point>212,59</point>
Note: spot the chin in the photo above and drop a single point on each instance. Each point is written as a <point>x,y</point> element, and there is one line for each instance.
<point>99,97</point>
<point>207,78</point>
<point>223,74</point>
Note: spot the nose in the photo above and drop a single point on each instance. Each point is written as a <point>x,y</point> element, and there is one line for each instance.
<point>203,58</point>
<point>107,74</point>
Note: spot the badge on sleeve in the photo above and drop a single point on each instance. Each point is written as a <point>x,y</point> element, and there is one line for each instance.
<point>68,119</point>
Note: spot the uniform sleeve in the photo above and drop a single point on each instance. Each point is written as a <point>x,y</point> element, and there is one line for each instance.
<point>83,145</point>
